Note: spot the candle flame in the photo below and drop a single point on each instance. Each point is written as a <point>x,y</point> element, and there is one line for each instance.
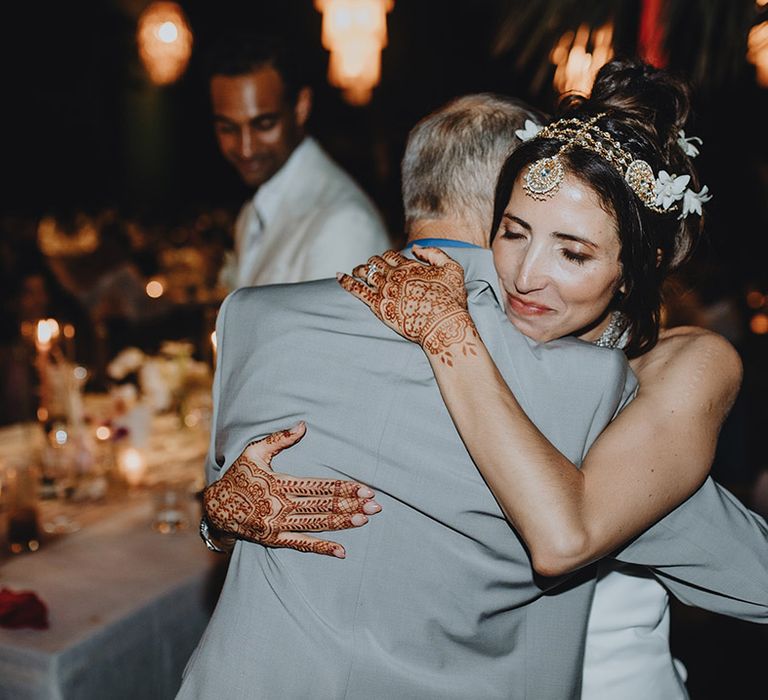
<point>132,465</point>
<point>44,334</point>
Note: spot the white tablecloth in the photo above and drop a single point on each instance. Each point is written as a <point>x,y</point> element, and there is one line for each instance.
<point>127,604</point>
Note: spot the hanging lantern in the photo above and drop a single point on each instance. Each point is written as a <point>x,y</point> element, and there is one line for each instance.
<point>355,32</point>
<point>165,42</point>
<point>579,55</point>
<point>757,51</point>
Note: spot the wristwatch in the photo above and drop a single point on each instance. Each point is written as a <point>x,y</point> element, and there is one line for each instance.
<point>205,536</point>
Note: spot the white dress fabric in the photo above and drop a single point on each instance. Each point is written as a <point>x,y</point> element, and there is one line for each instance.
<point>627,653</point>
<point>309,221</point>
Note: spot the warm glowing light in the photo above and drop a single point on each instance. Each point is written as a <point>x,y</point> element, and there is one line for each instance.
<point>155,289</point>
<point>165,42</point>
<point>191,419</point>
<point>60,437</point>
<point>168,32</point>
<point>68,330</point>
<point>214,348</point>
<point>757,51</point>
<point>42,414</point>
<point>47,330</point>
<point>103,433</point>
<point>755,299</point>
<point>759,324</point>
<point>132,465</point>
<point>355,32</point>
<point>43,334</point>
<point>579,55</point>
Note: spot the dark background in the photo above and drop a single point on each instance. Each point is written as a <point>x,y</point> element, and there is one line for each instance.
<point>84,129</point>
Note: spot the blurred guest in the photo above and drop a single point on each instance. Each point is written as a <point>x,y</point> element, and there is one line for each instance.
<point>307,219</point>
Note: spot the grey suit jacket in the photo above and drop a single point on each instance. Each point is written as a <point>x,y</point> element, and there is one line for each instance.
<point>436,598</point>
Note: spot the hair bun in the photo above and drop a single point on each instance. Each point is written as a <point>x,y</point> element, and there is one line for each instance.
<point>644,95</point>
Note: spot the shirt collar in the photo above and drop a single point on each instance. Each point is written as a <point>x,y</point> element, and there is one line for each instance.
<point>441,243</point>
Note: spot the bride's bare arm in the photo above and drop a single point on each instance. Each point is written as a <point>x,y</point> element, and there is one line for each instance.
<point>650,459</point>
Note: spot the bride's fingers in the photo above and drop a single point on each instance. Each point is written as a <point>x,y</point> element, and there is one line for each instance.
<point>266,448</point>
<point>356,288</point>
<point>307,543</point>
<point>379,262</point>
<point>394,258</point>
<point>433,256</point>
<point>329,505</point>
<point>370,274</point>
<point>334,488</point>
<point>319,523</point>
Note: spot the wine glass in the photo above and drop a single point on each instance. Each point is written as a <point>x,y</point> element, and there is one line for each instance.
<point>60,479</point>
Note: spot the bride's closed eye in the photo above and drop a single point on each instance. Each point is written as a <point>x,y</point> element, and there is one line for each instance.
<point>573,256</point>
<point>511,235</point>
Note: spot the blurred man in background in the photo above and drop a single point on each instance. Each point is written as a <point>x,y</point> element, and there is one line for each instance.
<point>307,219</point>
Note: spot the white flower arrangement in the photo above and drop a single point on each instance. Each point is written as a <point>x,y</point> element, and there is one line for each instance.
<point>530,130</point>
<point>161,381</point>
<point>126,362</point>
<point>688,144</point>
<point>670,188</point>
<point>692,201</point>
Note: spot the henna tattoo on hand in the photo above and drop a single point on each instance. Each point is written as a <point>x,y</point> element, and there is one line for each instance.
<point>426,304</point>
<point>252,502</point>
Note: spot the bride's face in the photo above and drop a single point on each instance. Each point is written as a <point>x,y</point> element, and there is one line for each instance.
<point>558,262</point>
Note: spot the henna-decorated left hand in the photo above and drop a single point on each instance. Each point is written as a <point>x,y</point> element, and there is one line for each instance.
<point>425,303</point>
<point>253,502</point>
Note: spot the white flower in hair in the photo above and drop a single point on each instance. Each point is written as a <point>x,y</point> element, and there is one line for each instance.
<point>687,144</point>
<point>670,188</point>
<point>530,131</point>
<point>692,201</point>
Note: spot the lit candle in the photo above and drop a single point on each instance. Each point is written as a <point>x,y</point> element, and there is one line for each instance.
<point>132,465</point>
<point>43,336</point>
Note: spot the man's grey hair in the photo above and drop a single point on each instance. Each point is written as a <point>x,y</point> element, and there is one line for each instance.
<point>454,155</point>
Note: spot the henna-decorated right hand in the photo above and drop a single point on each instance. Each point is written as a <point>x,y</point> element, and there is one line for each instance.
<point>425,303</point>
<point>254,503</point>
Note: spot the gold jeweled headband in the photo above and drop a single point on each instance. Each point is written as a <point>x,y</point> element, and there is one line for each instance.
<point>543,177</point>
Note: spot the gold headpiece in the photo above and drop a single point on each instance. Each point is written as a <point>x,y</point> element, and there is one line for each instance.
<point>543,177</point>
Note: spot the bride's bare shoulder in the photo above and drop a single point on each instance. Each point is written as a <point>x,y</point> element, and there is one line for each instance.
<point>685,351</point>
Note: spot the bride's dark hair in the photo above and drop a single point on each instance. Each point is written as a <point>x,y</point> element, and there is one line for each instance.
<point>645,109</point>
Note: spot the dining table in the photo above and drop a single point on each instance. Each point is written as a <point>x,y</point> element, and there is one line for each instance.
<point>128,591</point>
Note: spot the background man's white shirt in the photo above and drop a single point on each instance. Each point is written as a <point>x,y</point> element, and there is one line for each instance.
<point>309,221</point>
